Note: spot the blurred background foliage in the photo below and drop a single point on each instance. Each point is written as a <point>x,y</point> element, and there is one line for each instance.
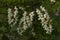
<point>33,4</point>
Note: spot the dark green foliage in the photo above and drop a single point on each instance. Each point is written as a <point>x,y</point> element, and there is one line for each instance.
<point>6,31</point>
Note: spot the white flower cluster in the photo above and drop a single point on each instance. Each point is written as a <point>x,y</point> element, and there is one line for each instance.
<point>26,20</point>
<point>31,15</point>
<point>52,0</point>
<point>21,8</point>
<point>9,15</point>
<point>12,17</point>
<point>44,17</point>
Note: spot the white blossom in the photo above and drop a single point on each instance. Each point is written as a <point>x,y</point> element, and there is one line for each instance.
<point>21,8</point>
<point>44,17</point>
<point>23,18</point>
<point>15,12</point>
<point>31,15</point>
<point>27,19</point>
<point>42,8</point>
<point>14,15</point>
<point>39,14</point>
<point>10,14</point>
<point>52,0</point>
<point>50,27</point>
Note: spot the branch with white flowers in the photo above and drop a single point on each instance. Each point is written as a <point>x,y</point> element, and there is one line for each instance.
<point>12,17</point>
<point>45,19</point>
<point>26,21</point>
